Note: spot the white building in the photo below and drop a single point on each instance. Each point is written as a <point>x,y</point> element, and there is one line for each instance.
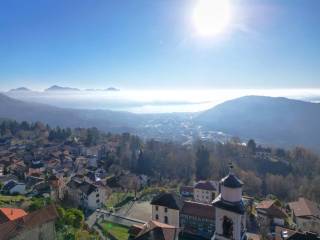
<point>230,218</point>
<point>166,209</point>
<point>85,194</point>
<point>205,191</point>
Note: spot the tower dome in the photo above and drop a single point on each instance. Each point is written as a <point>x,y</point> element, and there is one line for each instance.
<point>231,188</point>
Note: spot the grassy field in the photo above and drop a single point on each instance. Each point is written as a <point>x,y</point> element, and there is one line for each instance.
<point>118,231</point>
<point>11,200</point>
<point>116,198</point>
<point>78,234</point>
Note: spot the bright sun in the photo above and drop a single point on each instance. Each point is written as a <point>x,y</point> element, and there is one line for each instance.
<point>211,17</point>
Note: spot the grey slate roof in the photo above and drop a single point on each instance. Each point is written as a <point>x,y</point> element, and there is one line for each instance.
<point>205,185</point>
<point>169,200</point>
<point>9,185</point>
<point>232,207</point>
<point>84,186</point>
<point>231,181</point>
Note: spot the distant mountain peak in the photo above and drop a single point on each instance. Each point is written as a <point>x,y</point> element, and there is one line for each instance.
<point>20,89</point>
<point>112,89</point>
<point>59,88</point>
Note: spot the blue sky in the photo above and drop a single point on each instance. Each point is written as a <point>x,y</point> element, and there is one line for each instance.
<point>152,44</point>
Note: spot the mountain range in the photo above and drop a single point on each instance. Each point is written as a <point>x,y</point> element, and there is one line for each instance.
<point>57,88</point>
<point>20,89</point>
<point>54,116</point>
<point>274,121</point>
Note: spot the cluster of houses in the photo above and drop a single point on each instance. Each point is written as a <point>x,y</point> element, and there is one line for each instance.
<point>64,172</point>
<point>16,224</point>
<point>214,210</point>
<point>218,211</point>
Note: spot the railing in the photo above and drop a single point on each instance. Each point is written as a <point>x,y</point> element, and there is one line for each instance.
<point>117,218</point>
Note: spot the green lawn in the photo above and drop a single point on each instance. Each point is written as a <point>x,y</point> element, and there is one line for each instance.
<point>8,200</point>
<point>116,198</point>
<point>12,198</point>
<point>118,231</point>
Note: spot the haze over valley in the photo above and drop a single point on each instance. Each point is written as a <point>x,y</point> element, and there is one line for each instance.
<point>273,121</point>
<point>149,100</point>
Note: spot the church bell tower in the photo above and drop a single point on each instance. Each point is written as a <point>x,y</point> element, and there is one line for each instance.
<point>230,218</point>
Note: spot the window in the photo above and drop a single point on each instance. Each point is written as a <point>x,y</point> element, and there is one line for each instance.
<point>157,217</point>
<point>157,208</point>
<point>165,219</point>
<point>227,227</point>
<point>97,195</point>
<point>213,195</point>
<point>166,210</point>
<point>98,200</point>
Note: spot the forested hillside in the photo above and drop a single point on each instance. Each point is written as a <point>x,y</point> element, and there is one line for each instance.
<point>278,121</point>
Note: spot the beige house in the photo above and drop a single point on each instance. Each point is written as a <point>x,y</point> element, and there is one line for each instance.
<point>205,191</point>
<point>306,214</point>
<point>166,209</point>
<point>37,225</point>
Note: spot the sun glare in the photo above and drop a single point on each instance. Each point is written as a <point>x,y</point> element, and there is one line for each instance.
<point>211,17</point>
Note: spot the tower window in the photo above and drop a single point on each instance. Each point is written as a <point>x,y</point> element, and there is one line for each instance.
<point>227,227</point>
<point>157,217</point>
<point>165,219</point>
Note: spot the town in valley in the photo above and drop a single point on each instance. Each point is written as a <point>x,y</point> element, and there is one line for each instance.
<point>85,184</point>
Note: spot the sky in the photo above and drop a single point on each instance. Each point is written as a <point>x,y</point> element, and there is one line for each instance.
<point>153,44</point>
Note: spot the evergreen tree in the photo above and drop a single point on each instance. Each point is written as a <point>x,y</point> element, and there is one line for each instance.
<point>202,164</point>
<point>251,146</point>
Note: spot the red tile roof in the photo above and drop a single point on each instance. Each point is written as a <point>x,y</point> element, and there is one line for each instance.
<point>13,213</point>
<point>270,209</point>
<point>304,207</point>
<point>13,228</point>
<point>157,231</point>
<point>265,204</point>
